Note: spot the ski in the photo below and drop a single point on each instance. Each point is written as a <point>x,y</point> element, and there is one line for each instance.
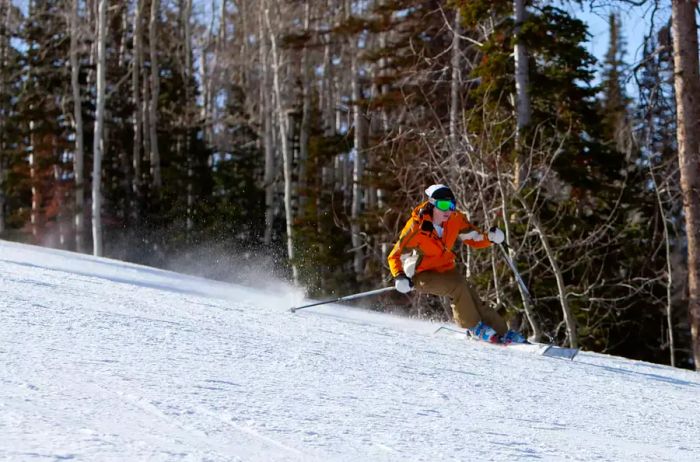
<point>542,349</point>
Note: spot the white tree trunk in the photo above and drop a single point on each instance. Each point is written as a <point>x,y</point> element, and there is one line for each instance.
<point>187,26</point>
<point>98,144</point>
<point>265,115</point>
<point>357,170</point>
<point>78,158</point>
<point>687,86</point>
<point>5,8</point>
<point>58,200</point>
<point>669,269</point>
<point>155,93</point>
<point>205,77</point>
<point>455,85</point>
<point>136,69</point>
<point>571,329</point>
<point>90,7</point>
<point>327,100</point>
<point>522,82</point>
<point>34,179</point>
<point>305,131</point>
<point>282,121</point>
<point>125,35</point>
<point>145,103</point>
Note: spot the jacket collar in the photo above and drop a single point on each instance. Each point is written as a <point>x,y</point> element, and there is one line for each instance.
<point>422,212</point>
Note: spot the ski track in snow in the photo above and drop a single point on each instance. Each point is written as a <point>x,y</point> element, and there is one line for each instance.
<point>103,360</point>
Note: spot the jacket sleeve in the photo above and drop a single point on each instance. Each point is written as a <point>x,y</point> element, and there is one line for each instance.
<point>395,265</point>
<point>471,236</point>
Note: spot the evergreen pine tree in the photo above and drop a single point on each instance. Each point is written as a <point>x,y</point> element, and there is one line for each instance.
<point>43,121</point>
<point>614,101</point>
<point>11,202</point>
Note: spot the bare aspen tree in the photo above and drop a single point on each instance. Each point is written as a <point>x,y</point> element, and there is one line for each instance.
<point>222,34</point>
<point>327,99</point>
<point>333,107</point>
<point>145,99</point>
<point>5,9</point>
<point>78,158</point>
<point>377,120</point>
<point>244,45</point>
<point>383,88</point>
<point>669,269</point>
<point>343,112</point>
<point>205,77</point>
<point>59,201</point>
<point>33,173</point>
<point>687,86</point>
<point>305,129</point>
<point>155,93</point>
<point>522,81</point>
<point>660,185</point>
<point>455,85</point>
<point>136,69</point>
<point>121,59</point>
<point>570,321</point>
<point>98,143</point>
<point>187,28</point>
<point>265,117</point>
<point>283,124</point>
<point>34,178</point>
<point>357,170</point>
<point>92,55</point>
<point>359,154</point>
<point>210,68</point>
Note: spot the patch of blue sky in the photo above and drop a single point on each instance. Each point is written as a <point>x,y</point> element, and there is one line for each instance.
<point>23,5</point>
<point>638,22</point>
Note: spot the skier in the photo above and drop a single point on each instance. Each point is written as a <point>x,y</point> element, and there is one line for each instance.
<point>423,258</point>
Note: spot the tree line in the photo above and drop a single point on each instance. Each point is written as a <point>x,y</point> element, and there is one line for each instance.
<point>296,135</point>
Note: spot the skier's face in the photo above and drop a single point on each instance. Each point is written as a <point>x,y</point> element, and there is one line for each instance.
<point>440,216</point>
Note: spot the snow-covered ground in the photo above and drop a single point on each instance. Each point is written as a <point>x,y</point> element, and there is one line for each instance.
<point>102,360</point>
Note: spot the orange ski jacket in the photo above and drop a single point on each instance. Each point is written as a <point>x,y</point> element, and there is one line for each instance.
<point>434,252</point>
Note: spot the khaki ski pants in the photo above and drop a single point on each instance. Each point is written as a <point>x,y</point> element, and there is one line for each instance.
<point>466,304</point>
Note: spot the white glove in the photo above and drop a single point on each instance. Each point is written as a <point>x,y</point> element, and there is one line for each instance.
<point>475,236</point>
<point>408,263</point>
<point>496,235</point>
<point>403,284</point>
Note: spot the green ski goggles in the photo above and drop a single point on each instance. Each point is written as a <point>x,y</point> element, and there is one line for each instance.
<point>445,205</point>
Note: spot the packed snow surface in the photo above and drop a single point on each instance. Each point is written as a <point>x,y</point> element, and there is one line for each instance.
<point>107,361</point>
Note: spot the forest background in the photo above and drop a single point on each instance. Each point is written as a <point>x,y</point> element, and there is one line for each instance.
<point>257,139</point>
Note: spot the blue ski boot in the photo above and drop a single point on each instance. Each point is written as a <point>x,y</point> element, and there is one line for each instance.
<point>513,337</point>
<point>483,332</point>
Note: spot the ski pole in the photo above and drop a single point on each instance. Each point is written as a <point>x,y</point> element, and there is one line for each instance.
<point>503,246</point>
<point>342,299</point>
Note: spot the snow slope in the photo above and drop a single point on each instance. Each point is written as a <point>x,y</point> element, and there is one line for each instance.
<point>107,361</point>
